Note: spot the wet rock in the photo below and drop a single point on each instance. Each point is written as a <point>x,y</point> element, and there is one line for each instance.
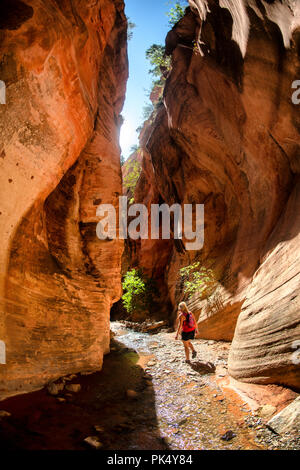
<point>154,326</point>
<point>146,326</point>
<point>182,421</point>
<point>147,376</point>
<point>75,388</point>
<point>228,436</point>
<point>151,363</point>
<point>287,419</point>
<point>267,411</point>
<point>93,442</point>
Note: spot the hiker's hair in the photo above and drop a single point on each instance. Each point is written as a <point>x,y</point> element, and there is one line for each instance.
<point>183,307</point>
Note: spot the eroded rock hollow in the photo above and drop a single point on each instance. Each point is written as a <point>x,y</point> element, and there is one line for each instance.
<point>64,65</point>
<point>226,134</point>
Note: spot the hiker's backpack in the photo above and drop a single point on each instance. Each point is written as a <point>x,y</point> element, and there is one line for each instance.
<point>189,319</point>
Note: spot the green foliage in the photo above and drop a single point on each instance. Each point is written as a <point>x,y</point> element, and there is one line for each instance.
<point>198,279</point>
<point>131,179</point>
<point>134,148</point>
<point>147,111</point>
<point>138,292</point>
<point>201,280</point>
<point>130,28</point>
<point>157,58</point>
<point>160,62</point>
<point>122,160</point>
<point>176,12</point>
<point>134,289</point>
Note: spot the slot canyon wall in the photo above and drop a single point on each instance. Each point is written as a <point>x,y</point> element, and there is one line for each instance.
<point>226,135</point>
<point>65,69</point>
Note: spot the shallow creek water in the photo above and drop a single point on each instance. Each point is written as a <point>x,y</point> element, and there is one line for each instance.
<point>175,405</point>
<point>191,410</point>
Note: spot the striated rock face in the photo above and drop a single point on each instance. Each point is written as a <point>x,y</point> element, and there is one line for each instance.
<point>65,69</point>
<point>267,335</point>
<point>227,136</point>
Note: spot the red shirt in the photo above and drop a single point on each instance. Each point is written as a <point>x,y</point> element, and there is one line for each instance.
<point>185,324</point>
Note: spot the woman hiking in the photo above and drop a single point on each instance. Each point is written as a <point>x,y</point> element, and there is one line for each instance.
<point>188,325</point>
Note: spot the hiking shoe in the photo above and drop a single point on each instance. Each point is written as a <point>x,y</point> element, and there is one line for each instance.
<point>194,354</point>
<point>187,361</point>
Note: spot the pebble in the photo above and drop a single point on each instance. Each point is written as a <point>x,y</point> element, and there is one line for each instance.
<point>73,388</point>
<point>183,421</point>
<point>228,436</point>
<point>98,428</point>
<point>61,400</point>
<point>151,363</point>
<point>70,377</point>
<point>131,394</point>
<point>55,388</point>
<point>267,411</point>
<point>94,442</point>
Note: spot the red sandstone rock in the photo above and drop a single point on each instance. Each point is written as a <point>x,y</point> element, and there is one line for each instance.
<point>228,137</point>
<point>264,349</point>
<point>65,68</point>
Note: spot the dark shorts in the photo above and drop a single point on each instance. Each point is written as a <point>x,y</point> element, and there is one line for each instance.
<point>187,335</point>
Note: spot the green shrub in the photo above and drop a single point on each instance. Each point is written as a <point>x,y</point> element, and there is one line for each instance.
<point>134,289</point>
<point>198,279</point>
<point>134,148</point>
<point>147,111</point>
<point>138,292</point>
<point>176,12</point>
<point>202,281</point>
<point>131,179</point>
<point>156,56</point>
<point>130,28</point>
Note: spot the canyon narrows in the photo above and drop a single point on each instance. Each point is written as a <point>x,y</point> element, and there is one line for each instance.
<point>224,133</point>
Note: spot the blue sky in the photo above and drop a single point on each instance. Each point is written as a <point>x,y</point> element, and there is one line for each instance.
<point>151,27</point>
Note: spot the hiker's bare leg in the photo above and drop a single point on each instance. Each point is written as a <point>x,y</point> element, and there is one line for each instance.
<point>186,350</point>
<point>189,344</point>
